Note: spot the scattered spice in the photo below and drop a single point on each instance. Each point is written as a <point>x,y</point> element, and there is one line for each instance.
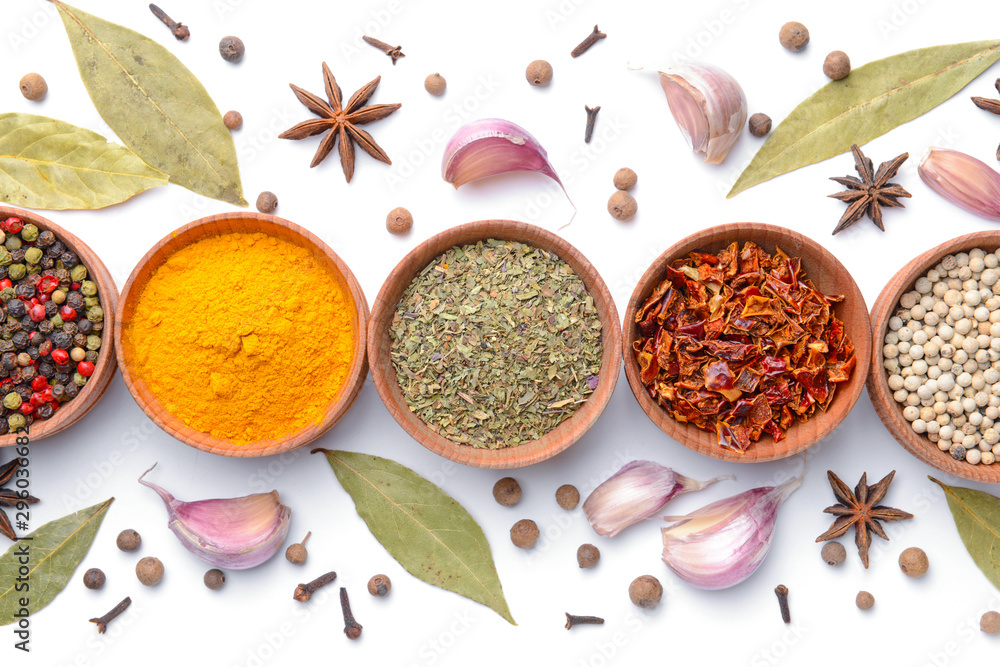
<point>304,592</point>
<point>267,202</point>
<point>622,206</point>
<point>233,120</point>
<point>496,343</point>
<point>102,622</point>
<point>33,87</point>
<point>435,84</point>
<point>149,570</point>
<point>993,106</point>
<point>645,591</point>
<point>837,65</point>
<point>782,592</point>
<point>741,344</point>
<point>913,562</point>
<point>760,124</point>
<point>94,579</point>
<point>834,553</point>
<point>351,627</point>
<point>214,579</point>
<point>625,179</point>
<point>342,121</point>
<point>296,554</point>
<point>179,30</point>
<point>794,36</point>
<point>593,38</point>
<point>538,73</point>
<point>865,600</point>
<point>231,49</point>
<point>399,221</point>
<point>871,192</point>
<point>393,52</point>
<point>591,119</point>
<point>128,540</point>
<point>567,496</point>
<point>379,585</point>
<point>587,556</point>
<point>507,492</point>
<point>990,623</point>
<point>524,534</point>
<point>572,620</point>
<point>861,509</point>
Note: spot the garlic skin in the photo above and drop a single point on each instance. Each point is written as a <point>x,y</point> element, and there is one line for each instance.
<point>709,106</point>
<point>962,180</point>
<point>723,543</point>
<point>636,492</point>
<point>230,533</point>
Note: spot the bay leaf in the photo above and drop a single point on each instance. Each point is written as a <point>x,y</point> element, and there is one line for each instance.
<point>872,100</point>
<point>53,552</point>
<point>431,535</point>
<point>51,164</point>
<point>977,517</point>
<point>155,105</point>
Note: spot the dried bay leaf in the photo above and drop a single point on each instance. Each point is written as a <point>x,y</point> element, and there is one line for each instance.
<point>977,517</point>
<point>155,105</point>
<point>872,100</point>
<point>53,552</point>
<point>51,164</point>
<point>432,536</point>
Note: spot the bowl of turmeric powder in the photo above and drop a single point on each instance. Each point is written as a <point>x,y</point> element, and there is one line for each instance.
<point>223,343</point>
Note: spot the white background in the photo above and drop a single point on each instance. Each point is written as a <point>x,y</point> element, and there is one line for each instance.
<point>482,50</point>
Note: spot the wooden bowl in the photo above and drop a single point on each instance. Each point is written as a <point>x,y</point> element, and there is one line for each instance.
<point>384,374</point>
<point>107,363</point>
<point>888,410</point>
<point>222,224</point>
<point>827,274</point>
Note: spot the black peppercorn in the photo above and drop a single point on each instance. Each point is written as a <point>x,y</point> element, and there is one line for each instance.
<point>4,427</point>
<point>28,374</point>
<point>58,392</point>
<point>51,308</point>
<point>35,339</point>
<point>85,326</point>
<point>46,369</point>
<point>28,324</point>
<point>33,352</point>
<point>45,327</point>
<point>20,340</point>
<point>56,249</point>
<point>23,390</point>
<point>80,340</point>
<point>24,291</point>
<point>91,356</point>
<point>32,280</point>
<point>71,390</point>
<point>44,411</point>
<point>97,327</point>
<point>16,308</point>
<point>17,256</point>
<point>61,377</point>
<point>45,239</point>
<point>47,263</point>
<point>76,301</point>
<point>69,259</point>
<point>61,340</point>
<point>9,361</point>
<point>71,328</point>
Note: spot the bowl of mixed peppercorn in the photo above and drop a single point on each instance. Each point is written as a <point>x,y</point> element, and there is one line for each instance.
<point>747,342</point>
<point>56,357</point>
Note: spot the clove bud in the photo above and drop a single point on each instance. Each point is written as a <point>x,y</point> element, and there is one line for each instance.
<point>962,180</point>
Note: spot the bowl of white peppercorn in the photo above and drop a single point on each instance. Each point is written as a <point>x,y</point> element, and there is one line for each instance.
<point>935,371</point>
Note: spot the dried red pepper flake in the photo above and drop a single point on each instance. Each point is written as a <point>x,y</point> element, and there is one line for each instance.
<point>741,344</point>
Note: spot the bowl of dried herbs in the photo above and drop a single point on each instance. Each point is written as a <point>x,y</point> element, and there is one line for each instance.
<point>495,344</point>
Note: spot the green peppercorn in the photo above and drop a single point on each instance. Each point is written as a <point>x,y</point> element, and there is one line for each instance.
<point>78,273</point>
<point>16,421</point>
<point>95,314</point>
<point>91,301</point>
<point>12,243</point>
<point>88,288</point>
<point>12,401</point>
<point>6,294</point>
<point>56,322</point>
<point>5,259</point>
<point>91,356</point>
<point>79,380</point>
<point>29,232</point>
<point>33,255</point>
<point>93,342</point>
<point>17,271</point>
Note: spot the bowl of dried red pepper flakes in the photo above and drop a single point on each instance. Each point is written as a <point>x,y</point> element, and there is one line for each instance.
<point>747,342</point>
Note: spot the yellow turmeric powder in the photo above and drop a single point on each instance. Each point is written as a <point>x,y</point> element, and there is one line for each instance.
<point>243,336</point>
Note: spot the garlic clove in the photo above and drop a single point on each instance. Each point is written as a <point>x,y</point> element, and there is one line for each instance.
<point>709,106</point>
<point>963,180</point>
<point>230,533</point>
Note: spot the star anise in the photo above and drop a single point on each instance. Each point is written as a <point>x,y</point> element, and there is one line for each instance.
<point>9,498</point>
<point>993,106</point>
<point>871,192</point>
<point>861,510</point>
<point>338,120</point>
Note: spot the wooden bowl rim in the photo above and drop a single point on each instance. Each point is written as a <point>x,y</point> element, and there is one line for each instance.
<point>719,236</point>
<point>556,440</point>
<point>107,362</point>
<point>878,380</point>
<point>196,230</point>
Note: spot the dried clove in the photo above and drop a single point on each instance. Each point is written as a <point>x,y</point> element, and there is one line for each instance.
<point>393,52</point>
<point>351,627</point>
<point>180,30</point>
<point>102,622</point>
<point>303,592</point>
<point>591,119</point>
<point>572,620</point>
<point>782,592</point>
<point>588,42</point>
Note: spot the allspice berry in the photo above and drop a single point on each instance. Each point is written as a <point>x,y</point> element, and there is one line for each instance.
<point>524,534</point>
<point>990,623</point>
<point>296,554</point>
<point>435,84</point>
<point>267,202</point>
<point>567,496</point>
<point>622,205</point>
<point>865,600</point>
<point>539,73</point>
<point>507,492</point>
<point>625,179</point>
<point>33,86</point>
<point>913,562</point>
<point>645,591</point>
<point>794,36</point>
<point>837,65</point>
<point>760,124</point>
<point>834,553</point>
<point>129,540</point>
<point>233,120</point>
<point>214,579</point>
<point>231,49</point>
<point>379,585</point>
<point>588,555</point>
<point>149,570</point>
<point>93,579</point>
<point>398,221</point>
